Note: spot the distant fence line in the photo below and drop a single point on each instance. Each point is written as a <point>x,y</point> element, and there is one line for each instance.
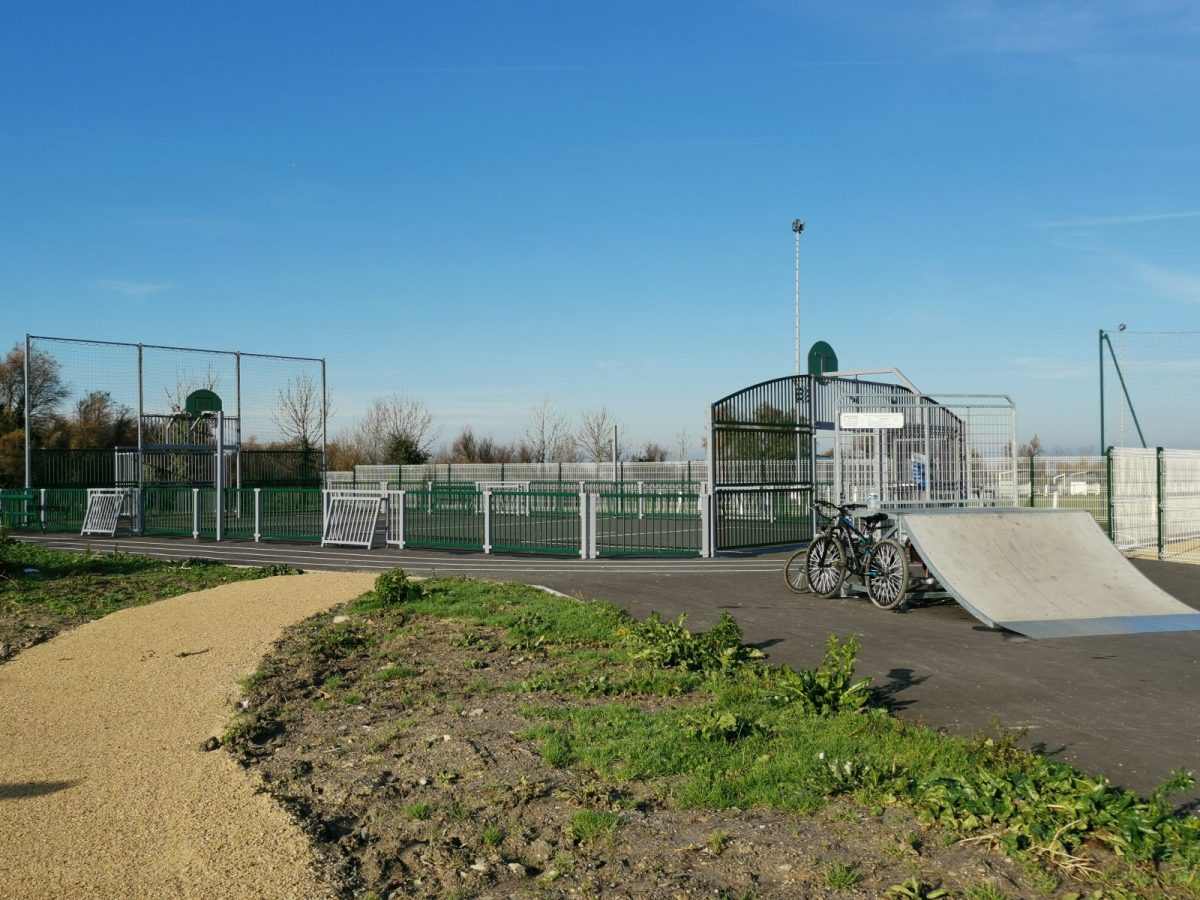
<point>1148,501</point>
<point>679,471</point>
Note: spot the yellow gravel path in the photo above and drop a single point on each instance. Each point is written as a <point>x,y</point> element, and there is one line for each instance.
<point>104,790</point>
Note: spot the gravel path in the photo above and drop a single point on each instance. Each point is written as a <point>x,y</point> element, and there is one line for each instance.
<point>104,790</point>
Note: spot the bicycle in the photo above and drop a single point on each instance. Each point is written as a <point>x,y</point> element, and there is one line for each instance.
<point>842,549</point>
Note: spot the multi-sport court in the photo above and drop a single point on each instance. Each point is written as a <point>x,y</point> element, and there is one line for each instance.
<point>218,445</point>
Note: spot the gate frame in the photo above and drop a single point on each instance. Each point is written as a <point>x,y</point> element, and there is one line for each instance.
<point>815,402</point>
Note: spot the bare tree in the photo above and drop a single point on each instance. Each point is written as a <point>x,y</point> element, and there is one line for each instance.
<point>651,452</point>
<point>547,435</point>
<point>396,429</point>
<point>467,448</point>
<point>46,389</point>
<point>1033,448</point>
<point>594,436</point>
<point>299,412</point>
<point>683,444</point>
<point>187,383</point>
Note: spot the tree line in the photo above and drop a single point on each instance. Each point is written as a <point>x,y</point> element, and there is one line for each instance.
<point>400,430</point>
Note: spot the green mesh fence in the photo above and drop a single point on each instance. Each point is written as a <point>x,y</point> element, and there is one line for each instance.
<point>554,528</point>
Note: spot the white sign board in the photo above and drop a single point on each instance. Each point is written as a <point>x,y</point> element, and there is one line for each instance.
<point>849,420</point>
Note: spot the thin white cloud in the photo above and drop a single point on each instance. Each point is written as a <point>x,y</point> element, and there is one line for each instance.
<point>1183,287</point>
<point>134,289</point>
<point>1103,221</point>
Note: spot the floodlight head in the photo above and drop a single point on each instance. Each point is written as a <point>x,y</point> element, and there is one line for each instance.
<point>798,226</point>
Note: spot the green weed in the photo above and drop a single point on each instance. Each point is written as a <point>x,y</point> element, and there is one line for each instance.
<point>841,874</point>
<point>587,826</point>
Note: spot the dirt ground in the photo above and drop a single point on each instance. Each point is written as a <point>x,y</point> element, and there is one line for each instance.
<point>414,779</point>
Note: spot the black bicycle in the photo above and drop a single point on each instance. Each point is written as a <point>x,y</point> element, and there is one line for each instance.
<point>866,550</point>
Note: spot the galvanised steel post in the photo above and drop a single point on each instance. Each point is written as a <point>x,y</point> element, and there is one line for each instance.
<point>237,450</point>
<point>325,419</point>
<point>28,428</point>
<point>1013,454</point>
<point>141,464</point>
<point>219,473</point>
<point>1161,505</point>
<point>712,481</point>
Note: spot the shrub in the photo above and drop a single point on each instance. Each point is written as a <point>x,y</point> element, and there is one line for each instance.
<point>394,587</point>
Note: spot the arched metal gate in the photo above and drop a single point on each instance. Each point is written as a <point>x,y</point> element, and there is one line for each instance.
<point>776,445</point>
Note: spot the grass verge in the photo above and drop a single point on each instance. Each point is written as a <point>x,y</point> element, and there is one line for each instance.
<point>699,722</point>
<point>43,591</point>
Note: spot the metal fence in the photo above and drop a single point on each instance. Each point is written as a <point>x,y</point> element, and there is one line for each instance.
<point>912,450</point>
<point>102,413</point>
<point>1147,500</point>
<point>692,472</point>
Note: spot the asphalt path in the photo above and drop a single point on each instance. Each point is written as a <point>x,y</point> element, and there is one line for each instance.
<point>1127,707</point>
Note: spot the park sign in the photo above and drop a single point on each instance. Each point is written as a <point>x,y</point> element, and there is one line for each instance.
<point>849,421</point>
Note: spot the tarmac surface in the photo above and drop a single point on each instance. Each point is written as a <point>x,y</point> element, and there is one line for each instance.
<point>1124,706</point>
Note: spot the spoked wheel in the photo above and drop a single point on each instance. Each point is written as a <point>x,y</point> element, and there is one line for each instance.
<point>793,573</point>
<point>887,574</point>
<point>825,565</point>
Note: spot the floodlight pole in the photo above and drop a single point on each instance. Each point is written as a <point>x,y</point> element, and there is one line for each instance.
<point>798,229</point>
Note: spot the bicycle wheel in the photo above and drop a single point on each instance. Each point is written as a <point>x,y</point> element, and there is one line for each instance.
<point>793,573</point>
<point>887,574</point>
<point>825,565</point>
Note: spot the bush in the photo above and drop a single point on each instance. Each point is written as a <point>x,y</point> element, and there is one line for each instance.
<point>394,587</point>
<point>668,645</point>
<point>830,688</point>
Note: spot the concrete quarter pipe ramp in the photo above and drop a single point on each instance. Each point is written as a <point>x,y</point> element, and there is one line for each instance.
<point>1042,573</point>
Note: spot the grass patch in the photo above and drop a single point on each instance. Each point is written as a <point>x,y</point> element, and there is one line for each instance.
<point>587,826</point>
<point>698,721</point>
<point>419,812</point>
<point>44,591</point>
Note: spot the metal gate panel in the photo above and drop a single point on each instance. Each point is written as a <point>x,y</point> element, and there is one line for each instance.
<point>104,508</point>
<point>351,521</point>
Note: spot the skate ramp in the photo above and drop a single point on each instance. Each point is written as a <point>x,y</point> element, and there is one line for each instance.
<point>1040,572</point>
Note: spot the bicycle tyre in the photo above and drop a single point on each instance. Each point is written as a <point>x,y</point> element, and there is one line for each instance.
<point>825,565</point>
<point>887,574</point>
<point>793,573</point>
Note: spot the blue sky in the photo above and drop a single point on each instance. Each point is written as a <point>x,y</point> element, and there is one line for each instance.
<point>487,203</point>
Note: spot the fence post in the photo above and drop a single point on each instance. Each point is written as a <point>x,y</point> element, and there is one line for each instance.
<point>593,502</point>
<point>584,542</point>
<point>641,500</point>
<point>1032,458</point>
<point>705,518</point>
<point>258,515</point>
<point>42,508</point>
<point>1160,510</point>
<point>399,519</point>
<point>195,514</point>
<point>1108,477</point>
<point>487,521</point>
